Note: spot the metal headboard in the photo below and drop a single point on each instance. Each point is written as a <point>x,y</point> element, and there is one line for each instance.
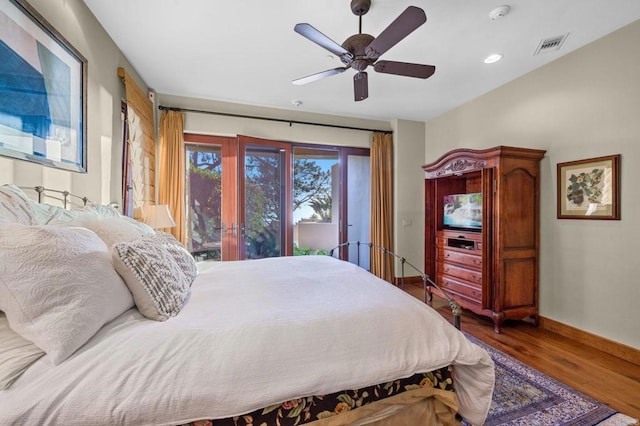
<point>64,197</point>
<point>456,310</point>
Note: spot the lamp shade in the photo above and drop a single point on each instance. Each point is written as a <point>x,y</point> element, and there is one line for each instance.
<point>157,216</point>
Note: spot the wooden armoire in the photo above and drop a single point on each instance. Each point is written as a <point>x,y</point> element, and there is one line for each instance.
<point>492,268</point>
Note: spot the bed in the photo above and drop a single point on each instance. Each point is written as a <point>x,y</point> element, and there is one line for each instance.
<point>291,340</point>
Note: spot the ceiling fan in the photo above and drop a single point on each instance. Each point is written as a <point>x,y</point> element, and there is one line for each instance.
<point>361,50</point>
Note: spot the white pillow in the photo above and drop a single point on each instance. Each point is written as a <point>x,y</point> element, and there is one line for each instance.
<point>112,230</point>
<point>16,354</point>
<point>45,213</point>
<point>100,210</point>
<point>15,206</point>
<point>157,274</point>
<point>58,286</point>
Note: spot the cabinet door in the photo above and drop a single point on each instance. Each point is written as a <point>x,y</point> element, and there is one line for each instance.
<point>516,234</point>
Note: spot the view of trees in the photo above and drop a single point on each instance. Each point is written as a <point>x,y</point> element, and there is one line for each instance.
<point>205,189</point>
<point>263,204</point>
<point>321,206</point>
<point>310,182</point>
<point>263,197</point>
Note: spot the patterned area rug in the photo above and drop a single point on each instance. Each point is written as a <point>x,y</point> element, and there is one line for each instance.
<point>525,396</point>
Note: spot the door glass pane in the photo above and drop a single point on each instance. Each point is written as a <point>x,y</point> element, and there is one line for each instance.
<point>358,189</point>
<point>264,194</point>
<point>316,200</point>
<point>204,197</point>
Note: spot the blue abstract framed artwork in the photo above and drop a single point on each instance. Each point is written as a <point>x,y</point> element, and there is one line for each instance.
<point>43,82</point>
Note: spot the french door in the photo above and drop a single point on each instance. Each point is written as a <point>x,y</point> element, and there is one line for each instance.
<point>264,189</point>
<point>211,197</point>
<point>248,197</point>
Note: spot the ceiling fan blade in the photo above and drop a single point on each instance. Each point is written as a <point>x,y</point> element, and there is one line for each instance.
<point>405,24</point>
<point>405,68</point>
<point>360,86</point>
<point>318,76</point>
<point>322,40</point>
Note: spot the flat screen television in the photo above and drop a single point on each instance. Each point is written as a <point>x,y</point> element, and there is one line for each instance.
<point>463,211</point>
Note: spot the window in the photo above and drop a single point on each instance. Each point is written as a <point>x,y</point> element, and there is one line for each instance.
<point>250,198</point>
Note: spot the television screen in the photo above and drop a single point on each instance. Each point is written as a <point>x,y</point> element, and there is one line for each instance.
<point>463,211</point>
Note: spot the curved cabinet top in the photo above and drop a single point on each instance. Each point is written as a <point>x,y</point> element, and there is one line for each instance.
<point>464,160</point>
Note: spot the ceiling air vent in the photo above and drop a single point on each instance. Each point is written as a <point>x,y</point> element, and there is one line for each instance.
<point>551,44</point>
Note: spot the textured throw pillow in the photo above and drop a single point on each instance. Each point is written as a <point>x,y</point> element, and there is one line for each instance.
<point>58,286</point>
<point>185,260</point>
<point>16,354</point>
<point>158,274</point>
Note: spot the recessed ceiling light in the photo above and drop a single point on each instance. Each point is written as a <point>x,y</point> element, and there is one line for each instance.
<point>492,58</point>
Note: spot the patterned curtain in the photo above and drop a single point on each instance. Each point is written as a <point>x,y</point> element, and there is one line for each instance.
<point>172,169</point>
<point>141,145</point>
<point>382,204</point>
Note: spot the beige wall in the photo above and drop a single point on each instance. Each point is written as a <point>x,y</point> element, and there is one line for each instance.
<point>583,105</point>
<point>102,182</point>
<point>408,193</point>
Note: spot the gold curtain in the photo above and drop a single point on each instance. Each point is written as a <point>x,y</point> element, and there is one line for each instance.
<point>382,204</point>
<point>171,168</point>
<point>141,143</point>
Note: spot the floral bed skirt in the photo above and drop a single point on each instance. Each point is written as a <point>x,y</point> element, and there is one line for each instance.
<point>311,408</point>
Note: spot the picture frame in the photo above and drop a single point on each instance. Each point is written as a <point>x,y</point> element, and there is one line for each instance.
<point>589,189</point>
<point>43,91</point>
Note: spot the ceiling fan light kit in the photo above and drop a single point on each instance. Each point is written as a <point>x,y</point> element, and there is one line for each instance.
<point>360,51</point>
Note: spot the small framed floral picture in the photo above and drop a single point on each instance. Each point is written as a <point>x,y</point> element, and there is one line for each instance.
<point>589,189</point>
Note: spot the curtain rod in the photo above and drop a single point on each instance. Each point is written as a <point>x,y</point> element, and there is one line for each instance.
<point>281,120</point>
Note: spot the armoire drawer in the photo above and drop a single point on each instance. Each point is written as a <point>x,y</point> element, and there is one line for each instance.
<point>468,290</point>
<point>472,275</point>
<point>466,259</point>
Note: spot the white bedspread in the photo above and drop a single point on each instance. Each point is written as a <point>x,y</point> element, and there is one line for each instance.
<point>254,333</point>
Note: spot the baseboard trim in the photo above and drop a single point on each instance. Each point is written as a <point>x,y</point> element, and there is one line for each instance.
<point>614,348</point>
<point>416,280</point>
<point>583,337</point>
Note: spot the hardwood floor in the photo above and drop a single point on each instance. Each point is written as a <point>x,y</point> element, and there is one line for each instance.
<point>595,373</point>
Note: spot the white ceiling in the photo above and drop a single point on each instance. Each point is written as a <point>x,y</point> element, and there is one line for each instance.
<point>246,51</point>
